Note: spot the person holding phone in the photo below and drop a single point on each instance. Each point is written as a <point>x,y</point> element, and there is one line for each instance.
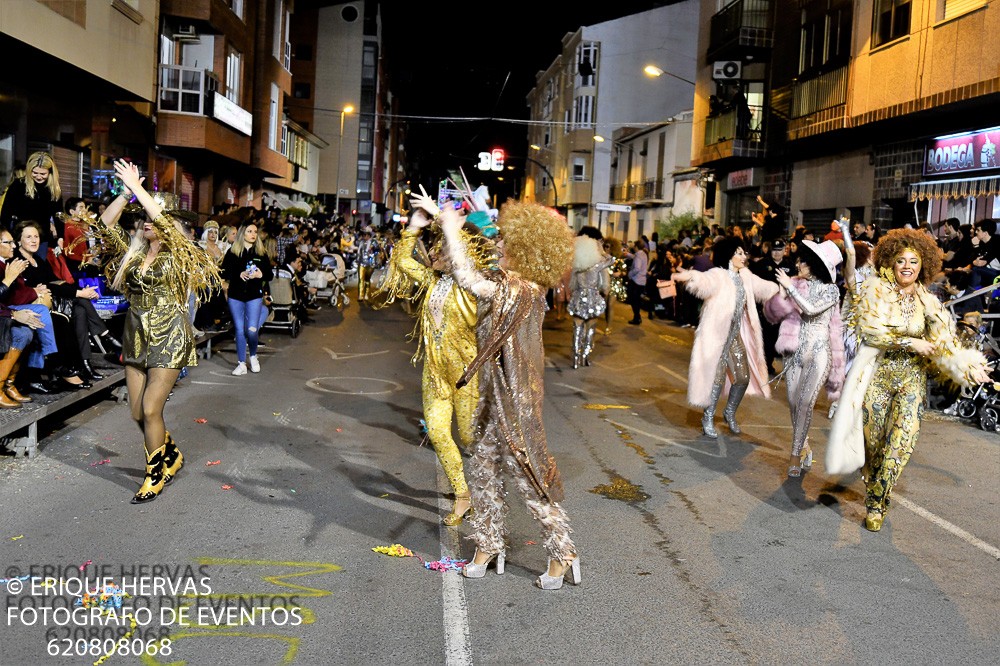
<point>245,271</point>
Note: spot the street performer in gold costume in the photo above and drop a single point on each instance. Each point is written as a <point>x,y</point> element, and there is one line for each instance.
<point>904,332</point>
<point>155,270</point>
<point>535,250</point>
<point>446,335</point>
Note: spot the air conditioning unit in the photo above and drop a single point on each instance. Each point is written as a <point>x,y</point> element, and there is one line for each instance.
<point>186,32</point>
<point>727,70</point>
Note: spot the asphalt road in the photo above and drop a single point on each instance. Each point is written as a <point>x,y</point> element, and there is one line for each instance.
<point>693,551</point>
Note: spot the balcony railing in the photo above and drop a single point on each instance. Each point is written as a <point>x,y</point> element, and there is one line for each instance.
<point>725,127</point>
<point>184,89</point>
<point>823,92</point>
<point>649,190</point>
<point>744,22</point>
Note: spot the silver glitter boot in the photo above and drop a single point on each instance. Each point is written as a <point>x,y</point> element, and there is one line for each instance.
<point>708,418</point>
<point>736,393</point>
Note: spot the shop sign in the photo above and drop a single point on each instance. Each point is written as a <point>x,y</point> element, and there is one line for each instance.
<point>232,114</point>
<point>962,153</point>
<point>742,179</point>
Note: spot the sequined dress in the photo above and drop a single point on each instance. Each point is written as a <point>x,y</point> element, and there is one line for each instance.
<point>585,299</point>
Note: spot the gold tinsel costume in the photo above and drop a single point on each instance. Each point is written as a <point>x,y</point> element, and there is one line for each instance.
<point>158,330</point>
<point>446,335</point>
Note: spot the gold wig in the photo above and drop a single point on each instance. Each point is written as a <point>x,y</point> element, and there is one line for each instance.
<point>537,242</point>
<point>897,241</point>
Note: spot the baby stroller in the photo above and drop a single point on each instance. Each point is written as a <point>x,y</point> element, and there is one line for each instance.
<point>283,307</point>
<point>335,289</point>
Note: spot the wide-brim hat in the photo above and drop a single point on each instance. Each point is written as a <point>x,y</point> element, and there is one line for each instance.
<point>828,253</point>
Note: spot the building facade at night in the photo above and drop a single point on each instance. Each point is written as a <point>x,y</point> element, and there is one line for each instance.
<point>837,108</point>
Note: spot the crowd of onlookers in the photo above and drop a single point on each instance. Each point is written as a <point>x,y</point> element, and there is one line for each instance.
<point>53,293</point>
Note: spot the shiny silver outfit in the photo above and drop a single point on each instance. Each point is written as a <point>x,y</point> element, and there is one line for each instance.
<point>733,361</point>
<point>586,305</point>
<point>806,370</point>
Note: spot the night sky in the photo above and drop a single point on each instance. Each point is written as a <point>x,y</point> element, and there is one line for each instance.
<point>481,65</point>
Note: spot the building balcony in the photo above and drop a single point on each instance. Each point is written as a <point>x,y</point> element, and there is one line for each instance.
<point>193,114</point>
<point>816,105</point>
<point>739,28</point>
<point>646,192</point>
<point>726,137</point>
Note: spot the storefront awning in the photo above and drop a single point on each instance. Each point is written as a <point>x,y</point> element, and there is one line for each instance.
<point>959,188</point>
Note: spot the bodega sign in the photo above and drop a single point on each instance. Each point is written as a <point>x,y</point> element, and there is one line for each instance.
<point>961,153</point>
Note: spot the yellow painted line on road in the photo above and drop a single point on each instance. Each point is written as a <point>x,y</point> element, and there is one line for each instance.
<point>603,407</point>
<point>674,341</point>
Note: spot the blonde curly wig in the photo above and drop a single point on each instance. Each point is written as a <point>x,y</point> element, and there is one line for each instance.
<point>896,241</point>
<point>538,243</point>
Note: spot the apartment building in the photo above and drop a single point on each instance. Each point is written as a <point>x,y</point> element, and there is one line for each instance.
<point>78,82</point>
<point>337,98</point>
<point>880,109</point>
<point>595,87</point>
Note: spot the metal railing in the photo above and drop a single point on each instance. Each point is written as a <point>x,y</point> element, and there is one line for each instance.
<point>728,24</point>
<point>647,190</point>
<point>183,89</point>
<point>724,127</point>
<point>823,92</point>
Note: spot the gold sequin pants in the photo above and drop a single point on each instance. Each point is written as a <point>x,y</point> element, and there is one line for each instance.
<point>438,414</point>
<point>891,413</point>
<point>364,282</point>
<point>491,459</point>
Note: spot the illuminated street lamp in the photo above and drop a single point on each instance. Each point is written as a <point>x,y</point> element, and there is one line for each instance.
<point>340,144</point>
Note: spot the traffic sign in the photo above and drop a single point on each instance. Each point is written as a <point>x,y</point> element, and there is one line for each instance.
<point>614,208</point>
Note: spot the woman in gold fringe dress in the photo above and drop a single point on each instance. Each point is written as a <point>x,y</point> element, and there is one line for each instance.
<point>154,270</point>
<point>905,332</point>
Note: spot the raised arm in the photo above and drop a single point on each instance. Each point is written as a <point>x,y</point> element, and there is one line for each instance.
<point>463,269</point>
<point>828,299</point>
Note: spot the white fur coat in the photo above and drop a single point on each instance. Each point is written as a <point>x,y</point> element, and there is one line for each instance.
<point>718,292</point>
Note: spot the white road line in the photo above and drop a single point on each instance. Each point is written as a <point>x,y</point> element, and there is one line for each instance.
<point>343,356</point>
<point>457,636</point>
<point>673,374</point>
<point>993,551</point>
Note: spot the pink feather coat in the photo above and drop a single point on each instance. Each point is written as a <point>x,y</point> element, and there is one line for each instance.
<point>782,309</point>
<point>718,292</point>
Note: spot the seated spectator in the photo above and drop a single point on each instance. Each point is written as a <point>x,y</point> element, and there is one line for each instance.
<point>77,303</point>
<point>19,297</point>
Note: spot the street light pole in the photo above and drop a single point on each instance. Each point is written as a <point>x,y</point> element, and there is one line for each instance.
<point>340,144</point>
<point>555,192</point>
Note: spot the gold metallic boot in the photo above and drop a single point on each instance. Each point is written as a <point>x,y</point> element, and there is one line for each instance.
<point>173,460</point>
<point>153,483</point>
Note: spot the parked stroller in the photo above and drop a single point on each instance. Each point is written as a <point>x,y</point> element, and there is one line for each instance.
<point>335,288</point>
<point>283,307</point>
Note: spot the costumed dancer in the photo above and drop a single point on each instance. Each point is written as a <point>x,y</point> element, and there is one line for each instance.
<point>367,255</point>
<point>535,251</point>
<point>904,331</point>
<point>588,287</point>
<point>155,273</point>
<point>858,267</point>
<point>810,339</point>
<point>446,334</point>
<point>728,346</point>
<point>617,272</point>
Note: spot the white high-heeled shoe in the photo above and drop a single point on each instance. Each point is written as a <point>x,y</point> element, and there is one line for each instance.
<point>547,582</point>
<point>473,570</point>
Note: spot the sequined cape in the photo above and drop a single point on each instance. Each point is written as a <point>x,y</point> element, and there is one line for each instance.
<point>511,363</point>
<point>448,348</point>
<point>882,324</point>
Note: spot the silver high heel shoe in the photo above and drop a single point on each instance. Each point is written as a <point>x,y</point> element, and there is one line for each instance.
<point>473,570</point>
<point>547,582</point>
